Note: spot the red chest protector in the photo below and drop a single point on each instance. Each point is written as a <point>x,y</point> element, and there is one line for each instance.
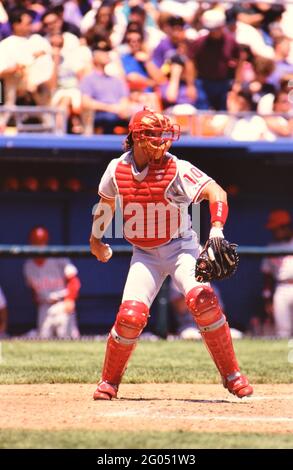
<point>149,219</point>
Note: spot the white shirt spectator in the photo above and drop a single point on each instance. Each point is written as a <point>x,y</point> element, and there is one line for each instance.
<point>250,128</point>
<point>25,51</point>
<point>71,42</point>
<point>249,36</point>
<point>286,21</point>
<point>184,8</point>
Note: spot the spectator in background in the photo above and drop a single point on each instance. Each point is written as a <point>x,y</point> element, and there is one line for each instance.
<point>74,11</point>
<point>140,71</point>
<point>282,69</point>
<point>245,71</point>
<point>262,91</point>
<point>105,98</point>
<point>280,126</point>
<point>171,56</point>
<point>246,127</point>
<point>178,88</point>
<point>247,35</point>
<point>69,68</point>
<point>104,20</point>
<point>278,275</point>
<point>215,56</point>
<point>250,127</point>
<point>55,287</point>
<point>37,9</point>
<point>152,34</point>
<point>174,29</point>
<point>25,62</point>
<point>52,24</point>
<point>3,315</point>
<point>259,15</point>
<point>56,23</point>
<point>185,8</point>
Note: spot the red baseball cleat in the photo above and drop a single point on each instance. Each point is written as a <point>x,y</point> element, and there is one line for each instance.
<point>239,386</point>
<point>105,391</point>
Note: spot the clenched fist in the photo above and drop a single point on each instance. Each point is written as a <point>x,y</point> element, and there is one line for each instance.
<point>100,250</point>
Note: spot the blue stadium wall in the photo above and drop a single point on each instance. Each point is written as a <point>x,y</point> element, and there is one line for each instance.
<point>258,175</point>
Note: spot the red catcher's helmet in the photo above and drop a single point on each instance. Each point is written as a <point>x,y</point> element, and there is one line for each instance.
<point>39,235</point>
<point>154,132</point>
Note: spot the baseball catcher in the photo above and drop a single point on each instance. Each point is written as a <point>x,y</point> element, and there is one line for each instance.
<point>153,186</point>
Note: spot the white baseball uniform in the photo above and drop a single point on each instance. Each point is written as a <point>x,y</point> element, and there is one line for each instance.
<point>48,282</point>
<point>281,269</point>
<point>150,266</point>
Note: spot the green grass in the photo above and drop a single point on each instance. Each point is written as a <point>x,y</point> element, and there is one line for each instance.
<point>161,361</point>
<point>82,439</point>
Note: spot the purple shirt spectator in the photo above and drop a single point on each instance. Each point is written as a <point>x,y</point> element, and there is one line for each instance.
<point>103,88</point>
<point>163,52</point>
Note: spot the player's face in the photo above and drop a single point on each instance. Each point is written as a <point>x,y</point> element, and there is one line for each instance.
<point>153,136</point>
<point>282,233</point>
<point>156,143</point>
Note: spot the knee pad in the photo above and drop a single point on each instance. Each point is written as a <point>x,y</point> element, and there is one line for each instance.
<point>204,306</point>
<point>131,319</point>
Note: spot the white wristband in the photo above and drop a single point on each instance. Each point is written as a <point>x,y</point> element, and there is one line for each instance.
<point>216,232</point>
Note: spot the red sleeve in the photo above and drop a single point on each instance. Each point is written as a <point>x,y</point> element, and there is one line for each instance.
<point>73,286</point>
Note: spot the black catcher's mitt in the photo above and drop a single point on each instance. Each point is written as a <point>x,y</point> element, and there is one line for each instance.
<point>218,260</point>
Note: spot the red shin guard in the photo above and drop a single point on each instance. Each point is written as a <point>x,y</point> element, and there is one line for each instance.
<point>131,319</point>
<point>116,359</point>
<point>205,308</point>
<point>220,347</point>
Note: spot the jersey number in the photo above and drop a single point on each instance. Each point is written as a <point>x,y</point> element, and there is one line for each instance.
<point>196,174</point>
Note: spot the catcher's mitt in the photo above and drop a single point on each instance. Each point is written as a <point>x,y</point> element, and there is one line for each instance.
<point>218,260</point>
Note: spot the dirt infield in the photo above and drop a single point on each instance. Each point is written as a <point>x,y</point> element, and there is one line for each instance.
<point>160,407</point>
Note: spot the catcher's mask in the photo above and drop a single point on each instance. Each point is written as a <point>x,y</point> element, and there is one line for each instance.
<point>154,133</point>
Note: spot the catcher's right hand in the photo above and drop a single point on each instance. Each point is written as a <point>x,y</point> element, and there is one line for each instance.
<point>102,251</point>
<point>217,261</point>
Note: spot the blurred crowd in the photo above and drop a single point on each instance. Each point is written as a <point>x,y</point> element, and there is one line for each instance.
<point>219,69</point>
